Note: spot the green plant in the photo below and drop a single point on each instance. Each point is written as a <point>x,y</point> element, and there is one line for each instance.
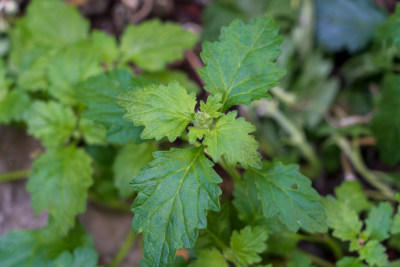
<point>104,127</point>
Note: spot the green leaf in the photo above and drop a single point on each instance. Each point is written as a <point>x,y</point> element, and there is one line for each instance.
<point>69,67</point>
<point>127,164</point>
<point>51,122</point>
<point>395,229</point>
<point>175,191</point>
<point>54,24</point>
<point>299,259</point>
<point>350,262</point>
<point>379,221</point>
<point>81,257</point>
<point>374,254</point>
<point>230,137</point>
<point>385,124</point>
<point>162,110</point>
<point>286,193</point>
<point>99,93</point>
<point>211,257</point>
<point>166,76</point>
<point>12,105</point>
<point>241,65</point>
<point>246,245</point>
<point>39,247</point>
<point>212,106</point>
<point>352,194</point>
<point>105,46</point>
<point>59,183</point>
<point>342,219</point>
<point>196,133</point>
<point>247,203</point>
<point>93,133</point>
<point>335,26</point>
<point>390,30</point>
<point>153,44</point>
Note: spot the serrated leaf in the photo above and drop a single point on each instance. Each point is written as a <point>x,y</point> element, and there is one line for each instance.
<point>247,203</point>
<point>211,257</point>
<point>12,105</point>
<point>152,44</point>
<point>342,219</point>
<point>352,194</point>
<point>196,133</point>
<point>164,111</point>
<point>286,193</point>
<point>54,24</point>
<point>241,65</point>
<point>93,133</point>
<point>374,254</point>
<point>127,164</point>
<point>69,67</point>
<point>99,93</point>
<point>105,46</point>
<point>51,122</point>
<point>246,245</point>
<point>230,138</point>
<point>390,30</point>
<point>335,26</point>
<point>81,257</point>
<point>350,262</point>
<point>175,191</point>
<point>212,106</point>
<point>379,221</point>
<point>385,124</point>
<point>39,247</point>
<point>59,183</point>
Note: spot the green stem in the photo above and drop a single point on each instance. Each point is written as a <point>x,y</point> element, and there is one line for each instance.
<point>296,136</point>
<point>318,261</point>
<point>14,175</point>
<point>355,157</point>
<point>229,169</point>
<point>325,239</point>
<point>123,250</point>
<point>116,205</point>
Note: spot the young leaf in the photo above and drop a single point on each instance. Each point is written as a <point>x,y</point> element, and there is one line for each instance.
<point>196,133</point>
<point>162,110</point>
<point>246,245</point>
<point>12,105</point>
<point>54,24</point>
<point>374,254</point>
<point>342,219</point>
<point>127,164</point>
<point>285,192</point>
<point>98,93</point>
<point>152,44</point>
<point>104,45</point>
<point>386,124</point>
<point>352,194</point>
<point>51,122</point>
<point>81,257</point>
<point>230,137</point>
<point>241,65</point>
<point>212,106</point>
<point>379,221</point>
<point>211,257</point>
<point>175,191</point>
<point>93,133</point>
<point>59,183</point>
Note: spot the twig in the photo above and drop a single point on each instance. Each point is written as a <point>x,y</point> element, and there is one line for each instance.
<point>123,250</point>
<point>14,175</point>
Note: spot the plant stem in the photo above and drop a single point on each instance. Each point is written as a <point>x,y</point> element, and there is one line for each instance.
<point>355,157</point>
<point>229,169</point>
<point>123,250</point>
<point>325,239</point>
<point>14,175</point>
<point>116,205</point>
<point>318,261</point>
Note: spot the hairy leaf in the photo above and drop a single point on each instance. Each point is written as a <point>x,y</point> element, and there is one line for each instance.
<point>127,164</point>
<point>174,193</point>
<point>152,44</point>
<point>285,192</point>
<point>59,183</point>
<point>51,122</point>
<point>352,194</point>
<point>374,254</point>
<point>230,137</point>
<point>241,65</point>
<point>162,110</point>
